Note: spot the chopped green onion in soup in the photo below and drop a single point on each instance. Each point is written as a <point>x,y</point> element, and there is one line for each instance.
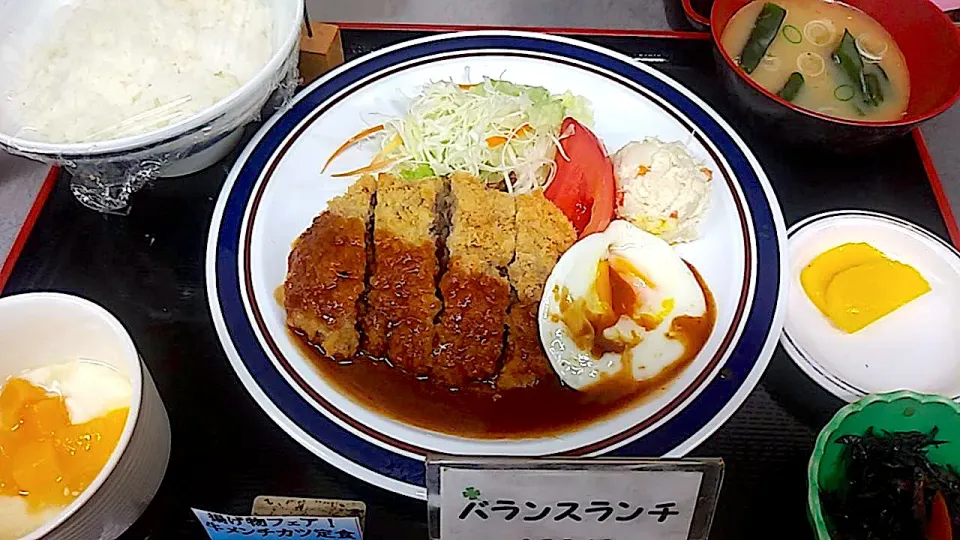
<point>811,64</point>
<point>820,32</point>
<point>870,48</point>
<point>844,92</point>
<point>792,34</point>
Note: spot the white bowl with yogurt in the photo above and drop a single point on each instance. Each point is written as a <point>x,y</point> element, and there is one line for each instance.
<point>40,330</point>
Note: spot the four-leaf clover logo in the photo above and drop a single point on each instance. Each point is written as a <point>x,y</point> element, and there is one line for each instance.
<point>471,493</point>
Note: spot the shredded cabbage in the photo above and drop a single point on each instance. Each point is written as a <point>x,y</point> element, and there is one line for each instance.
<point>496,130</point>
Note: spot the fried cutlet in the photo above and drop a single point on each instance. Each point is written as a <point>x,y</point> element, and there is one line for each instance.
<point>524,362</point>
<point>475,292</point>
<point>320,292</point>
<point>543,234</point>
<point>402,302</point>
<point>482,227</point>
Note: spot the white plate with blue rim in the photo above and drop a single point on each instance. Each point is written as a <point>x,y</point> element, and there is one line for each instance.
<point>276,188</point>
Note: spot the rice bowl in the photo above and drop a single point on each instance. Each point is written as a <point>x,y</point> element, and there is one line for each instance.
<point>146,154</point>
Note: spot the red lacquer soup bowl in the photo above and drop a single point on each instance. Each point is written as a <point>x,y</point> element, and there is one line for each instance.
<point>930,44</point>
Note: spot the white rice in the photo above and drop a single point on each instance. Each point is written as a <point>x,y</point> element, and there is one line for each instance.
<point>115,68</point>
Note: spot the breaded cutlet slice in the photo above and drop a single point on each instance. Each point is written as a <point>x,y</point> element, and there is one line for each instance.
<point>524,362</point>
<point>475,292</point>
<point>482,226</point>
<point>543,234</point>
<point>325,272</point>
<point>402,300</point>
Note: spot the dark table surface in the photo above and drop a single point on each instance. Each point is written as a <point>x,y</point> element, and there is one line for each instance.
<point>148,269</point>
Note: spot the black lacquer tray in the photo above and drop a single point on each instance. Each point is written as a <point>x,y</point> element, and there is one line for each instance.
<point>148,269</point>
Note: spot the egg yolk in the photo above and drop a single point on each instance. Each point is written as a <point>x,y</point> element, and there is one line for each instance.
<point>855,284</point>
<point>43,457</point>
<point>617,291</point>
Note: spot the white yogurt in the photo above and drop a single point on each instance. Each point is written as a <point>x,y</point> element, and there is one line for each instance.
<point>90,389</point>
<point>16,520</point>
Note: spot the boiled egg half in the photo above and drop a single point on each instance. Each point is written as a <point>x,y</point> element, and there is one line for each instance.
<point>621,305</point>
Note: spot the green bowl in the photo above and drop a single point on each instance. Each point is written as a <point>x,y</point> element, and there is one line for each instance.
<point>894,411</point>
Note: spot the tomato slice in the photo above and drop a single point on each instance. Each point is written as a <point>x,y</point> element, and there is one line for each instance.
<point>938,526</point>
<point>584,186</point>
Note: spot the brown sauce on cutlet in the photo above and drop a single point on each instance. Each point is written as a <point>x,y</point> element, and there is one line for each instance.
<point>481,411</point>
<point>524,362</point>
<point>320,292</point>
<point>470,333</point>
<point>402,303</point>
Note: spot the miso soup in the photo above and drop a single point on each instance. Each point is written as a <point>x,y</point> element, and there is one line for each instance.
<point>823,56</point>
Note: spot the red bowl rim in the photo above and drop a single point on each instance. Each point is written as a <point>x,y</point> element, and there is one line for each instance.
<point>905,121</point>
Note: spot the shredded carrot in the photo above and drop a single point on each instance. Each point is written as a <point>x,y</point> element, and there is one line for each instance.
<point>394,143</point>
<point>375,166</point>
<point>497,140</point>
<point>642,170</point>
<point>466,86</point>
<point>358,137</point>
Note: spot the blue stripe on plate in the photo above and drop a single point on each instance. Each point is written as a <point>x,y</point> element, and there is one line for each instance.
<point>681,427</point>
